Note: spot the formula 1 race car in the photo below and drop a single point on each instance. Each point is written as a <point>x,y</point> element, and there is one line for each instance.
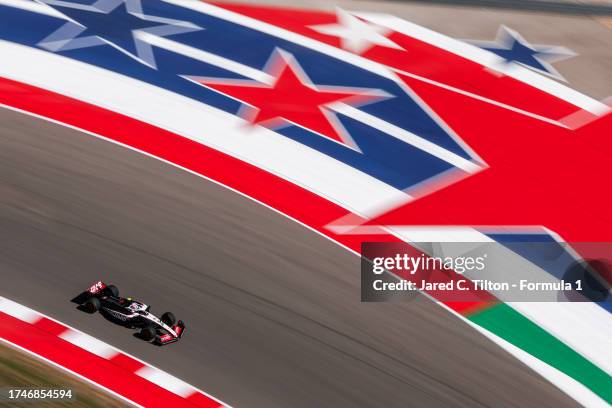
<point>132,314</point>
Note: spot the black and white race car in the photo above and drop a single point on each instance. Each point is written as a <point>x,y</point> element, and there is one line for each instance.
<point>130,313</point>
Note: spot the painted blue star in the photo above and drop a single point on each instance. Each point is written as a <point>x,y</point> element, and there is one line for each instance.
<point>118,23</point>
<point>513,48</point>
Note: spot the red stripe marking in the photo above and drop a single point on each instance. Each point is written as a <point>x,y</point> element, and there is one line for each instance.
<point>50,326</point>
<point>202,400</point>
<point>126,362</point>
<point>469,308</point>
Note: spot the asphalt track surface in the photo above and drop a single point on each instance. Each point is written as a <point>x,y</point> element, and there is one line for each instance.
<point>272,309</point>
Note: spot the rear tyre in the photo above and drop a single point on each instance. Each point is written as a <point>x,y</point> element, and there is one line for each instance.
<point>112,290</point>
<point>168,318</point>
<point>147,333</point>
<point>92,305</point>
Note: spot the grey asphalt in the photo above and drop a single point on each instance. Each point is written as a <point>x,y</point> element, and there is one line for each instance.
<point>272,309</point>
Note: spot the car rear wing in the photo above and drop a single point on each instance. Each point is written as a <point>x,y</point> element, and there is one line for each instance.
<point>96,288</point>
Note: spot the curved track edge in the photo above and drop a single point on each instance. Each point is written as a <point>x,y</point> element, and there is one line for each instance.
<point>586,387</point>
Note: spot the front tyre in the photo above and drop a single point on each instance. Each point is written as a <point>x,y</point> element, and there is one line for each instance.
<point>168,319</point>
<point>147,333</point>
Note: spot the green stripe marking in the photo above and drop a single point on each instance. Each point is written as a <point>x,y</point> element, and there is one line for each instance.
<point>515,328</point>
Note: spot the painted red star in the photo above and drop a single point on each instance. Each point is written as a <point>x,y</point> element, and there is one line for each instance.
<point>292,97</point>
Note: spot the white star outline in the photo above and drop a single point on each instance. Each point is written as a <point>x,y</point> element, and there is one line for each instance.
<point>545,54</point>
<point>355,34</point>
<point>65,37</point>
<point>279,60</point>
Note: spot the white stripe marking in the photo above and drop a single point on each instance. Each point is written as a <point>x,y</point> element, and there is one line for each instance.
<point>167,381</point>
<point>492,101</point>
<point>89,343</point>
<point>206,57</point>
<point>33,7</point>
<point>414,234</point>
<point>18,311</point>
